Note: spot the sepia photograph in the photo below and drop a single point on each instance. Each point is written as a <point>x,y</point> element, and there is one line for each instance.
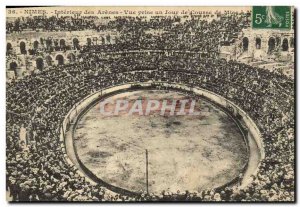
<point>150,104</point>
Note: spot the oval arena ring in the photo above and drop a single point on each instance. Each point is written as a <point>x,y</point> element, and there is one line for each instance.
<point>185,152</point>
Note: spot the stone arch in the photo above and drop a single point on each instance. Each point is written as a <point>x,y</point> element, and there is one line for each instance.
<point>8,46</point>
<point>108,38</point>
<point>76,43</point>
<point>13,65</point>
<point>95,40</point>
<point>42,41</point>
<point>102,40</point>
<point>271,44</point>
<point>60,59</point>
<point>88,41</point>
<point>278,41</point>
<point>245,44</point>
<point>23,47</point>
<point>285,44</point>
<point>49,43</point>
<point>49,60</point>
<point>62,43</point>
<point>39,63</point>
<point>56,42</point>
<point>71,57</point>
<point>258,43</point>
<point>35,44</point>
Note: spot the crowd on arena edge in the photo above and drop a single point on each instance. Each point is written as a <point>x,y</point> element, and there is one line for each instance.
<point>36,170</point>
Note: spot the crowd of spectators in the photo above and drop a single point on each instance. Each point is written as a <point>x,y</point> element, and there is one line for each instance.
<point>190,33</point>
<point>36,169</point>
<point>174,33</point>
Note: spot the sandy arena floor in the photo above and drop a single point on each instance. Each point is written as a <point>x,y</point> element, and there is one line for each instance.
<point>185,152</point>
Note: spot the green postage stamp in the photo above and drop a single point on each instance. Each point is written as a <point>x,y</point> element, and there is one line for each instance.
<point>272,17</point>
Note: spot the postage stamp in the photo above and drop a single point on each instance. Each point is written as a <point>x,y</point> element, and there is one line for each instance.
<point>272,17</point>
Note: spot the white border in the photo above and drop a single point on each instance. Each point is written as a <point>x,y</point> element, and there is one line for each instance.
<point>3,3</point>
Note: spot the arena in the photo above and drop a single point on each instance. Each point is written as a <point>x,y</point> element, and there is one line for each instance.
<point>185,152</point>
<point>60,148</point>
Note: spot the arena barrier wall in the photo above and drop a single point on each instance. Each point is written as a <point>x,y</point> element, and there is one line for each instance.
<point>80,108</point>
